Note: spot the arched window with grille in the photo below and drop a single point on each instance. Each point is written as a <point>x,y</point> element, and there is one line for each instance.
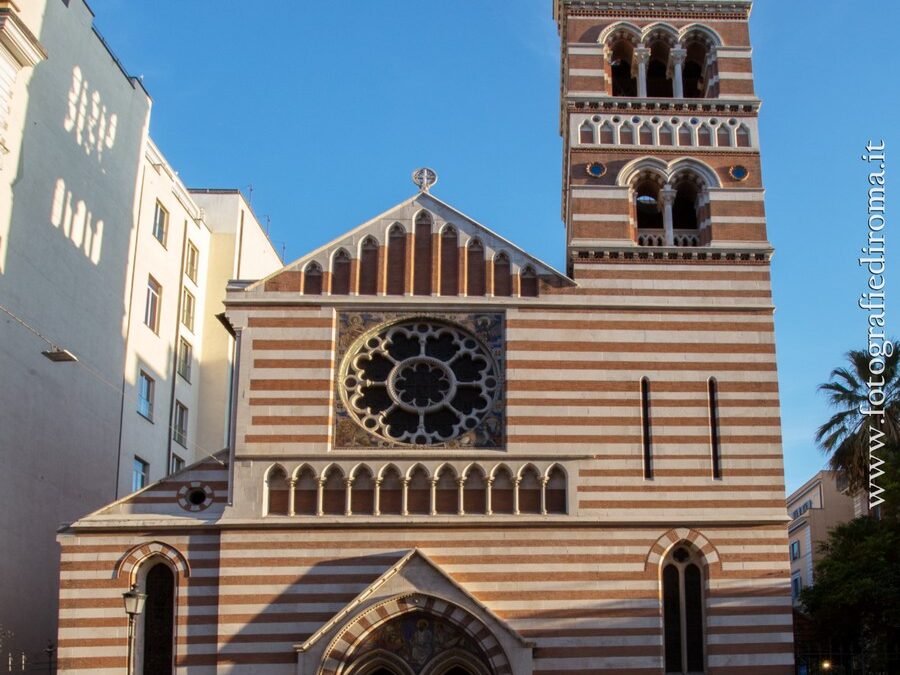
<point>683,610</point>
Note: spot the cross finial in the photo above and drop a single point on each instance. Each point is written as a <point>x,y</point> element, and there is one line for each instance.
<point>424,178</point>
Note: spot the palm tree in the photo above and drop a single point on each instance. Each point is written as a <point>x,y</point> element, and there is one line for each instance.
<point>845,437</point>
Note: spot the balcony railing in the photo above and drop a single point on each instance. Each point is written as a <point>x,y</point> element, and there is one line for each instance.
<point>657,237</point>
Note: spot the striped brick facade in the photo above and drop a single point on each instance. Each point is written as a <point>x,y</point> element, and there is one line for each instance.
<point>640,415</point>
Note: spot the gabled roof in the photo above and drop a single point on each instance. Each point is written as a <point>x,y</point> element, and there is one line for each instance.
<point>169,497</point>
<point>411,556</point>
<point>404,214</point>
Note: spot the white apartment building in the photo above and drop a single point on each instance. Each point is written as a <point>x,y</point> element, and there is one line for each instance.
<point>818,505</point>
<point>105,254</point>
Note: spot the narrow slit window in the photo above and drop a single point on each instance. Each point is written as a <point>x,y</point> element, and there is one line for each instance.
<point>645,427</point>
<point>714,427</point>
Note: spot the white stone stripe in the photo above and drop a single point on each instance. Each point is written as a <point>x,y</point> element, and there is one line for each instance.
<point>735,76</point>
<point>587,72</point>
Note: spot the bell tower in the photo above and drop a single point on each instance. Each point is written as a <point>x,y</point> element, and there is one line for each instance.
<point>660,137</point>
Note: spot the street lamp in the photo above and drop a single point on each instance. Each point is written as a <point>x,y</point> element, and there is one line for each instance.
<point>134,605</point>
<point>826,665</point>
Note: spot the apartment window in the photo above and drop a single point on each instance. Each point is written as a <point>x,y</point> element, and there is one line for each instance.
<point>187,309</point>
<point>160,224</point>
<point>177,463</point>
<point>146,385</point>
<point>796,586</point>
<point>795,550</point>
<point>191,262</point>
<point>140,474</point>
<point>154,302</point>
<point>179,432</point>
<point>185,358</point>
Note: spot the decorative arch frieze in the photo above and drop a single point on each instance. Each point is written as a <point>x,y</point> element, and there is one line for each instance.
<point>682,535</point>
<point>128,564</point>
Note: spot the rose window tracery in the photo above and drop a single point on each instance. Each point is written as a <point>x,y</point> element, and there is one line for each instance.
<point>419,382</point>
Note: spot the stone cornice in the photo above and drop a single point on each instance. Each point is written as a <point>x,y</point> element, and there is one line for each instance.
<point>720,105</point>
<point>724,9</point>
<point>757,255</point>
<point>15,37</point>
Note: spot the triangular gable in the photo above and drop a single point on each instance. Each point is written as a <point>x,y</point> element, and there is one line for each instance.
<point>177,494</point>
<point>404,215</point>
<point>410,559</point>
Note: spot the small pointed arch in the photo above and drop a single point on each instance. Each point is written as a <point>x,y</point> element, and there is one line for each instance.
<point>703,172</point>
<point>700,32</point>
<point>607,134</point>
<point>390,490</point>
<point>449,260</point>
<point>340,272</point>
<point>704,136</point>
<point>134,558</point>
<point>312,278</point>
<point>502,275</point>
<point>621,30</point>
<point>368,266</point>
<point>418,491</point>
<point>645,134</point>
<point>502,489</point>
<point>666,134</point>
<point>619,41</point>
<point>742,136</point>
<point>643,166</point>
<point>685,137</point>
<point>723,136</point>
<point>277,491</point>
<point>586,133</point>
<point>556,494</point>
<point>626,134</point>
<point>362,491</point>
<point>334,491</point>
<point>475,268</point>
<point>475,490</point>
<point>396,260</point>
<point>530,487</point>
<point>528,286</point>
<point>446,498</point>
<point>422,253</point>
<point>660,30</point>
<point>306,490</point>
<point>712,560</point>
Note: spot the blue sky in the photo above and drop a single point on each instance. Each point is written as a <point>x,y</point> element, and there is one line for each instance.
<point>326,108</point>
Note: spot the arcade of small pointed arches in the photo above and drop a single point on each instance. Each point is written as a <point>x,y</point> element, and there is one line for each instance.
<point>415,490</point>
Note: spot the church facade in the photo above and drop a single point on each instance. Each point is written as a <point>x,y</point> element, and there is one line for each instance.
<point>449,458</point>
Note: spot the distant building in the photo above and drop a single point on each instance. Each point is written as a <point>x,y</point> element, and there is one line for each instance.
<point>105,254</point>
<point>816,507</point>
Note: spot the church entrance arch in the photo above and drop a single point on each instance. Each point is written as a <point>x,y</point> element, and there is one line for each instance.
<point>415,635</point>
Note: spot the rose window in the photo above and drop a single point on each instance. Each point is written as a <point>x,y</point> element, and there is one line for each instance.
<point>419,382</point>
